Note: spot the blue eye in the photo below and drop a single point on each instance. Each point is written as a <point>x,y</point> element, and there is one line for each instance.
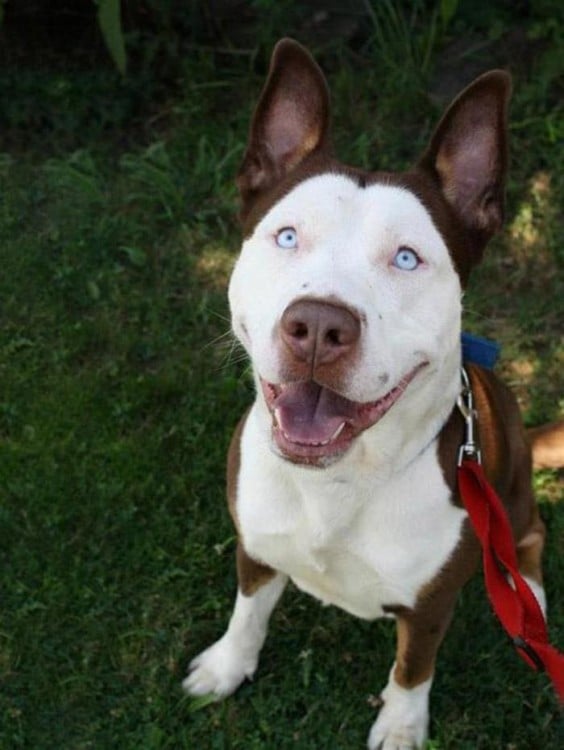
<point>287,238</point>
<point>406,259</point>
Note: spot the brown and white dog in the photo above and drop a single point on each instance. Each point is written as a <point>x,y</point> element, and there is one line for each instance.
<point>347,298</point>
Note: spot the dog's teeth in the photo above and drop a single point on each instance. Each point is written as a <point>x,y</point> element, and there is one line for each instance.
<point>277,416</point>
<point>337,432</point>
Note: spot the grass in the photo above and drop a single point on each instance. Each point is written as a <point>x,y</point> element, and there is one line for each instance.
<point>119,392</point>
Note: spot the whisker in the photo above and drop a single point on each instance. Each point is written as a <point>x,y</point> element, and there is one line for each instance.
<point>221,316</point>
<point>220,340</point>
<point>232,352</point>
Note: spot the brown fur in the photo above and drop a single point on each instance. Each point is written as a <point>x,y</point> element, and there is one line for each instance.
<point>507,464</point>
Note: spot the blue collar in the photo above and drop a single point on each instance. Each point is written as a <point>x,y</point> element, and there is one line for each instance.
<point>479,351</point>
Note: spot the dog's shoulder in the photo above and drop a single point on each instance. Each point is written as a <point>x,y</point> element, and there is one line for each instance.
<point>502,436</point>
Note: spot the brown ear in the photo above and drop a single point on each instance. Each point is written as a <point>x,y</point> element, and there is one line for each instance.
<point>467,154</point>
<point>291,120</point>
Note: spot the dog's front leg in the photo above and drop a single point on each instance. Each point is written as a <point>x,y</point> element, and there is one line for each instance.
<point>222,667</point>
<point>402,723</point>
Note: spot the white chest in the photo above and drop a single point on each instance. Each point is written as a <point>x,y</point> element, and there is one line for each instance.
<point>341,535</point>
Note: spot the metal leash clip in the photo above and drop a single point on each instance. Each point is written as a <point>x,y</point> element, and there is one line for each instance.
<point>465,402</point>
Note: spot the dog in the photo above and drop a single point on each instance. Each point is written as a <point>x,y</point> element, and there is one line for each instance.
<point>347,298</point>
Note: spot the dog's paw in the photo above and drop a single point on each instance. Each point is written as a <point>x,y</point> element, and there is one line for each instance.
<point>403,719</point>
<point>384,737</point>
<point>219,670</point>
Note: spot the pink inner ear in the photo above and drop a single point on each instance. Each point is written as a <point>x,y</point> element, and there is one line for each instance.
<point>291,121</point>
<point>468,165</point>
<point>468,153</point>
<point>284,130</point>
<point>291,132</point>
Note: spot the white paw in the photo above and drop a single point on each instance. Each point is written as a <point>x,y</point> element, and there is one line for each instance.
<point>220,669</point>
<point>403,719</point>
<point>387,736</point>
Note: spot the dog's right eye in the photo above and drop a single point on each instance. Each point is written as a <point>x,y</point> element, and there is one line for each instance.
<point>287,238</point>
<point>406,259</point>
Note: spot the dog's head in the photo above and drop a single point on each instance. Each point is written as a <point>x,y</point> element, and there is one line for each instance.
<point>347,291</point>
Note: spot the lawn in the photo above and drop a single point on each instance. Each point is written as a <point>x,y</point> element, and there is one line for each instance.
<point>120,385</point>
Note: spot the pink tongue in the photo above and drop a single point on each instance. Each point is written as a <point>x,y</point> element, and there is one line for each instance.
<point>310,414</point>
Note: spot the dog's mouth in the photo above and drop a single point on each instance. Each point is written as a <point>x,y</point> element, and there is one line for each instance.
<point>313,424</point>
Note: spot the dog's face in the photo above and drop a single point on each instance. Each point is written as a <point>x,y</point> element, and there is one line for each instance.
<point>347,291</point>
<point>346,300</point>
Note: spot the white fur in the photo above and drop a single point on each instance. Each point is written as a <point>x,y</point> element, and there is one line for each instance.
<point>222,667</point>
<point>342,535</point>
<point>375,526</point>
<point>403,719</point>
<point>347,239</point>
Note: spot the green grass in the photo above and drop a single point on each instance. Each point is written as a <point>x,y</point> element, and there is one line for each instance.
<point>119,390</point>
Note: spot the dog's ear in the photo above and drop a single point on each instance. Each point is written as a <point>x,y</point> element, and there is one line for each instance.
<point>467,154</point>
<point>291,120</point>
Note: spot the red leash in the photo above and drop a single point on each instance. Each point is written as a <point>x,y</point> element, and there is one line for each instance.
<point>515,605</point>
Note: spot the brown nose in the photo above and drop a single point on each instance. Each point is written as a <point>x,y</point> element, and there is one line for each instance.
<point>319,332</point>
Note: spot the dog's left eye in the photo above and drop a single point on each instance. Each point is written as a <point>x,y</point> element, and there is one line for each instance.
<point>287,238</point>
<point>406,259</point>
